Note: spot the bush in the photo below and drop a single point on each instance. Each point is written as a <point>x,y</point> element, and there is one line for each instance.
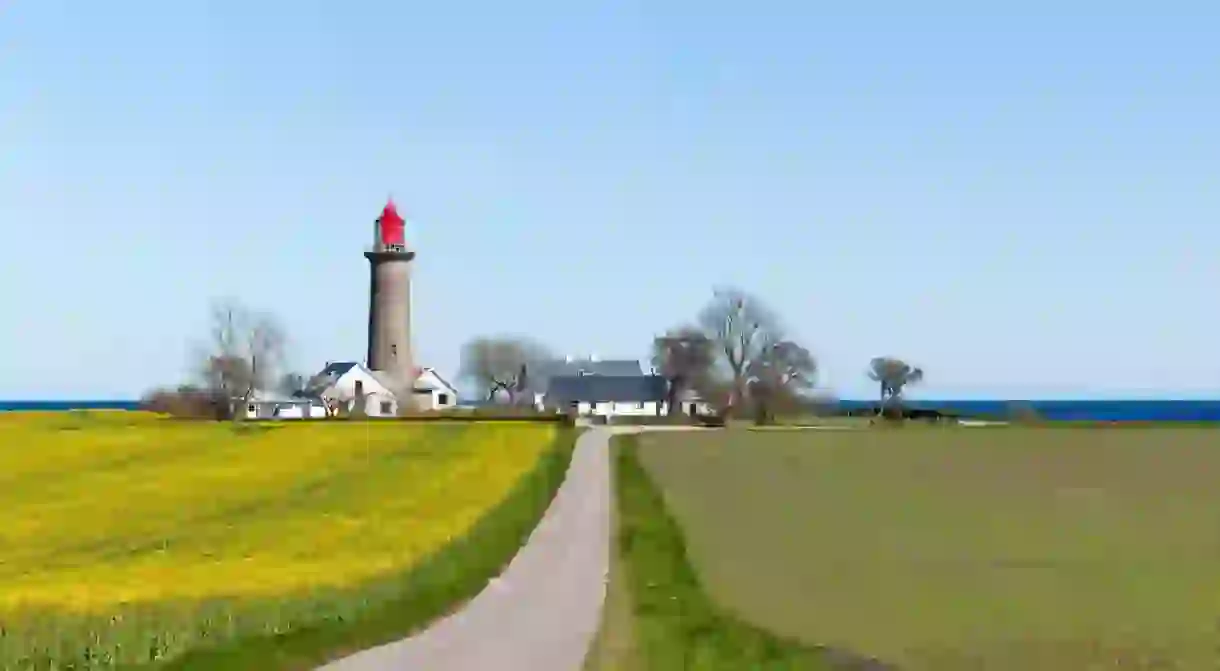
<point>185,403</point>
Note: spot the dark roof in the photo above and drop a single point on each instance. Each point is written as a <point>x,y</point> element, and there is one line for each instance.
<point>539,377</point>
<point>609,367</point>
<point>337,368</point>
<point>327,376</point>
<point>616,388</point>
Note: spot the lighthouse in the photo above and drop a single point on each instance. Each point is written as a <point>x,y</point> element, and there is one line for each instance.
<point>389,348</point>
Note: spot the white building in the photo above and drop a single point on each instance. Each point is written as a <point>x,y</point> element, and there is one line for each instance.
<point>607,395</point>
<point>571,366</point>
<point>269,405</point>
<point>340,384</point>
<point>608,387</point>
<point>433,392</point>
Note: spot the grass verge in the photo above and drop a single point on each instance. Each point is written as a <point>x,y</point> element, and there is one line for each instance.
<point>435,587</point>
<point>672,623</point>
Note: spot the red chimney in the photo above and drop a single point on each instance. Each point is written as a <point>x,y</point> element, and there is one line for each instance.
<point>390,226</point>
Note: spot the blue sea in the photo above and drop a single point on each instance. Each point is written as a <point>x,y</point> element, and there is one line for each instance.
<point>1077,410</point>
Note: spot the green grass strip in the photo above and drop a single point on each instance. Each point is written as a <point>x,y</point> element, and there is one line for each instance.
<point>451,577</point>
<point>675,624</point>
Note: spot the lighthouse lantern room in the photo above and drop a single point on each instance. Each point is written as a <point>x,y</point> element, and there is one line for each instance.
<point>389,227</point>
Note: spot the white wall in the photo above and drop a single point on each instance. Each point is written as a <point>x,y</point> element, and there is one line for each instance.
<point>684,408</point>
<point>438,389</point>
<point>648,408</point>
<point>264,410</point>
<point>345,387</point>
<point>373,405</point>
<point>435,401</point>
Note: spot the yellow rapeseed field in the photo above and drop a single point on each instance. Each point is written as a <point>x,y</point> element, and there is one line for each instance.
<point>109,513</point>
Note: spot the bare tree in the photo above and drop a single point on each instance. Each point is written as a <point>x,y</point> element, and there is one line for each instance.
<point>684,357</point>
<point>781,374</point>
<point>740,327</point>
<point>501,364</point>
<point>291,384</point>
<point>892,376</point>
<point>242,355</point>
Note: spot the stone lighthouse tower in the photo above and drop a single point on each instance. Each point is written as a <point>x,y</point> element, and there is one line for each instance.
<point>390,304</point>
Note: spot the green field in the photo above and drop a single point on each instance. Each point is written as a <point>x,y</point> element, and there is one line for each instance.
<point>948,548</point>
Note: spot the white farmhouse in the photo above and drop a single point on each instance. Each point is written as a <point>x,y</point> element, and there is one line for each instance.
<point>340,384</point>
<point>607,395</point>
<point>608,387</point>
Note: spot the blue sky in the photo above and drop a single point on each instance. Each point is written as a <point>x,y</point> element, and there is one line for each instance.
<point>1025,202</point>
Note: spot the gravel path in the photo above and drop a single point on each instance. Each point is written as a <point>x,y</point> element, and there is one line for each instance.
<point>542,613</point>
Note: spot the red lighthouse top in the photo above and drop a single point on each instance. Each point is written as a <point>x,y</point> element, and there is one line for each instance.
<point>390,227</point>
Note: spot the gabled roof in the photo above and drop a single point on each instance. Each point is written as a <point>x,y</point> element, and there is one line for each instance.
<point>330,375</point>
<point>619,367</point>
<point>336,369</point>
<point>443,381</point>
<point>614,388</point>
<point>540,375</point>
<point>327,377</point>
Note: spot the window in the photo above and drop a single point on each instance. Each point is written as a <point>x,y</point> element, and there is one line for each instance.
<point>639,405</point>
<point>250,407</point>
<point>387,408</point>
<point>442,399</point>
<point>359,387</point>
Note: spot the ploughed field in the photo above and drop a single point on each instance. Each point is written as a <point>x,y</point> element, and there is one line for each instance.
<point>950,548</point>
<point>125,537</point>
